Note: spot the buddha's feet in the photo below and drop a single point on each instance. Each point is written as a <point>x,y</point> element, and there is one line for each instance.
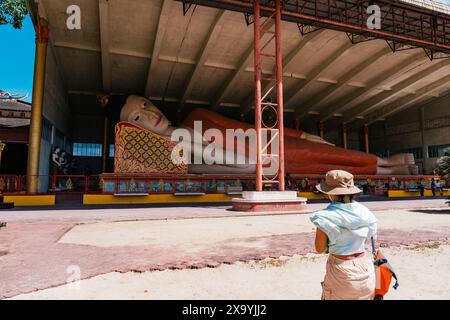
<point>398,170</point>
<point>397,160</point>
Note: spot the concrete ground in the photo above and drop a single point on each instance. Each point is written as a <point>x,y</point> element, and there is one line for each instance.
<point>286,278</point>
<point>206,253</point>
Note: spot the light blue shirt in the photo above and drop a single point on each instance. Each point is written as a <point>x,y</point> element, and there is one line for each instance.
<point>347,226</point>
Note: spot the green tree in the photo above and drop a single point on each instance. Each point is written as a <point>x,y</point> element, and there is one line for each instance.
<point>443,167</point>
<point>13,12</point>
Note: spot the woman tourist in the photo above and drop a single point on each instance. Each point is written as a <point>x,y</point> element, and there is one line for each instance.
<point>342,230</point>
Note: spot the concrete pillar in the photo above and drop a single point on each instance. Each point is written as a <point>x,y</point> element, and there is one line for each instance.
<point>297,124</point>
<point>37,107</point>
<point>422,135</point>
<point>52,139</point>
<point>385,138</point>
<point>179,116</point>
<point>366,138</point>
<point>344,135</point>
<point>105,143</point>
<point>321,129</point>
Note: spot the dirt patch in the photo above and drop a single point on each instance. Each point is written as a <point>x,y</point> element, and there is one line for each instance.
<point>425,246</point>
<point>269,263</point>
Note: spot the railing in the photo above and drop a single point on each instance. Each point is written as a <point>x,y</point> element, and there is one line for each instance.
<point>9,183</point>
<point>372,185</point>
<point>195,184</point>
<point>52,184</point>
<point>168,184</point>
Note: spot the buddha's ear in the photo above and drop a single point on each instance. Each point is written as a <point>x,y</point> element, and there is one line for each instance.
<point>134,116</point>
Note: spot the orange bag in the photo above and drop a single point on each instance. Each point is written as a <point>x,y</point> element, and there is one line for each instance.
<point>383,274</point>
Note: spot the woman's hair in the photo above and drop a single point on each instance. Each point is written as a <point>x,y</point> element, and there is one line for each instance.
<point>347,198</point>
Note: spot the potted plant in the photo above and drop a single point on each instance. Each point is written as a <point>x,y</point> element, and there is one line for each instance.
<point>443,169</point>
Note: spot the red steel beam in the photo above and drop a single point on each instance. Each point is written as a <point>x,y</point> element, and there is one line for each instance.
<point>425,24</point>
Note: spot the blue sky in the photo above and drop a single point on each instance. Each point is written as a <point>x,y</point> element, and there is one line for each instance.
<point>17,58</point>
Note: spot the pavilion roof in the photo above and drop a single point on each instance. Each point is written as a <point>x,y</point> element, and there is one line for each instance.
<point>205,58</point>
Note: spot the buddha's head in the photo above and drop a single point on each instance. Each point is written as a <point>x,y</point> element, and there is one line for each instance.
<point>140,111</point>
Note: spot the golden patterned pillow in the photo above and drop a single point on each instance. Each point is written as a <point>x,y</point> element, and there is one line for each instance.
<point>137,150</point>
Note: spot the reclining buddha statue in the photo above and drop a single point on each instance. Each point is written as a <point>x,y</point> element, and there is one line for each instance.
<point>304,153</point>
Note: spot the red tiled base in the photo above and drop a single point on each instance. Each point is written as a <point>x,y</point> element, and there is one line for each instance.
<point>264,206</point>
<point>36,260</point>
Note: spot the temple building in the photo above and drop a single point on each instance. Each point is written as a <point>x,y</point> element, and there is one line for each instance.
<point>14,124</point>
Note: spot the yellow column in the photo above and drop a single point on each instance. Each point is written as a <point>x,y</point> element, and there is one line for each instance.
<point>34,140</point>
<point>344,135</point>
<point>366,138</point>
<point>321,129</point>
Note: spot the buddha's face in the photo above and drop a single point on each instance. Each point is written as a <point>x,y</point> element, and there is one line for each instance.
<point>140,111</point>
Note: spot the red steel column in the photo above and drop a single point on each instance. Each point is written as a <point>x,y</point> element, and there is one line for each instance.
<point>257,74</point>
<point>279,95</point>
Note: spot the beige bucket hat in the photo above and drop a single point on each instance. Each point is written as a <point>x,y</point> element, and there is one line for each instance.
<point>338,182</point>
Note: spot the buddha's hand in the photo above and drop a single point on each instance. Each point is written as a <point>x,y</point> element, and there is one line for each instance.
<point>314,138</point>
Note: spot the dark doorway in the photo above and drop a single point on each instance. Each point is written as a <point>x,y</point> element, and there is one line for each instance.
<point>14,159</point>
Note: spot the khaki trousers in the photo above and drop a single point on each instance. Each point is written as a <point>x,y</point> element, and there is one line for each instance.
<point>349,279</point>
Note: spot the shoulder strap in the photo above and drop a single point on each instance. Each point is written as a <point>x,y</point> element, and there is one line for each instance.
<point>374,251</point>
<point>383,261</point>
<point>396,281</point>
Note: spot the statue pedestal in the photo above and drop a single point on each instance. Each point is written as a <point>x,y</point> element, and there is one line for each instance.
<point>269,201</point>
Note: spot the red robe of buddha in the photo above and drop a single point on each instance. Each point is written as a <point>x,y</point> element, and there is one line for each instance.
<point>301,156</point>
